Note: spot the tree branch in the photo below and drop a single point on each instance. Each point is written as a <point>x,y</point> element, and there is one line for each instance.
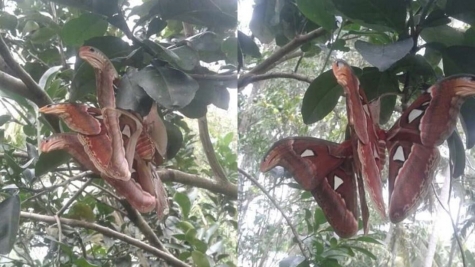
<point>284,50</point>
<point>107,232</point>
<point>292,228</point>
<point>273,75</point>
<point>137,219</point>
<point>25,86</point>
<point>223,187</point>
<point>209,150</point>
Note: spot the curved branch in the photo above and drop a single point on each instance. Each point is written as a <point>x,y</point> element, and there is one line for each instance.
<point>107,232</point>
<point>209,150</point>
<point>225,187</point>
<point>292,228</point>
<point>273,75</point>
<point>284,50</point>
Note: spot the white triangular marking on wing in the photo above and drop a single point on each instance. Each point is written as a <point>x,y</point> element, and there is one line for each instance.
<point>307,153</point>
<point>337,181</point>
<point>399,155</point>
<point>414,114</point>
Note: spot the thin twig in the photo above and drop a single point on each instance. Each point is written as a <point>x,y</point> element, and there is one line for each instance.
<point>73,198</point>
<point>292,228</point>
<point>110,233</point>
<point>51,188</point>
<point>457,237</point>
<point>274,75</point>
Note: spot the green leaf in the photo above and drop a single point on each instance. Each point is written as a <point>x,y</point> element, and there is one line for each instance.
<point>468,121</point>
<point>4,119</point>
<point>463,10</point>
<point>369,239</point>
<point>292,261</point>
<point>320,98</point>
<point>199,245</point>
<point>444,34</point>
<point>384,56</point>
<point>190,235</point>
<point>458,59</point>
<point>50,161</point>
<point>171,88</point>
<point>8,21</point>
<point>9,222</point>
<point>364,251</point>
<point>212,14</point>
<point>319,217</point>
<point>42,35</point>
<point>230,49</point>
<point>82,262</point>
<point>189,58</point>
<point>200,259</point>
<point>168,55</point>
<point>130,96</point>
<point>376,83</point>
<point>80,29</point>
<point>175,139</point>
<point>47,75</point>
<point>319,11</point>
<point>386,108</point>
<point>457,154</point>
<point>184,203</point>
<point>376,14</point>
<point>248,46</point>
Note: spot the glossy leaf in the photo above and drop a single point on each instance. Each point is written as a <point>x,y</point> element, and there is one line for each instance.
<point>184,203</point>
<point>384,56</point>
<point>200,259</point>
<point>468,121</point>
<point>320,98</point>
<point>459,59</point>
<point>443,34</point>
<point>86,26</point>
<point>175,139</point>
<point>47,162</point>
<point>9,222</point>
<point>318,11</point>
<point>169,87</point>
<point>457,154</point>
<point>376,14</point>
<point>131,96</point>
<point>248,46</point>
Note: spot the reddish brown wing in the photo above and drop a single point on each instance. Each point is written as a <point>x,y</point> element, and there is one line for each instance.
<point>323,168</point>
<point>412,141</point>
<point>365,140</point>
<point>411,170</point>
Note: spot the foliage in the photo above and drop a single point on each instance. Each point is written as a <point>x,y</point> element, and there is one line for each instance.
<point>398,49</point>
<point>175,53</point>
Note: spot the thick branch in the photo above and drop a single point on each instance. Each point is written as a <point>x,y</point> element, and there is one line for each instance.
<point>209,150</point>
<point>33,87</point>
<point>284,50</point>
<point>107,232</point>
<point>273,75</point>
<point>292,228</point>
<point>225,187</point>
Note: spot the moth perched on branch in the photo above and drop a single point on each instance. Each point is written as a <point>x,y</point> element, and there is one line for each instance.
<point>117,144</point>
<point>329,169</point>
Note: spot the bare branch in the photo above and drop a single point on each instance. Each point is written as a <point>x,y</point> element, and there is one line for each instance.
<point>209,150</point>
<point>292,228</point>
<point>273,75</point>
<point>225,187</point>
<point>280,53</point>
<point>107,232</point>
